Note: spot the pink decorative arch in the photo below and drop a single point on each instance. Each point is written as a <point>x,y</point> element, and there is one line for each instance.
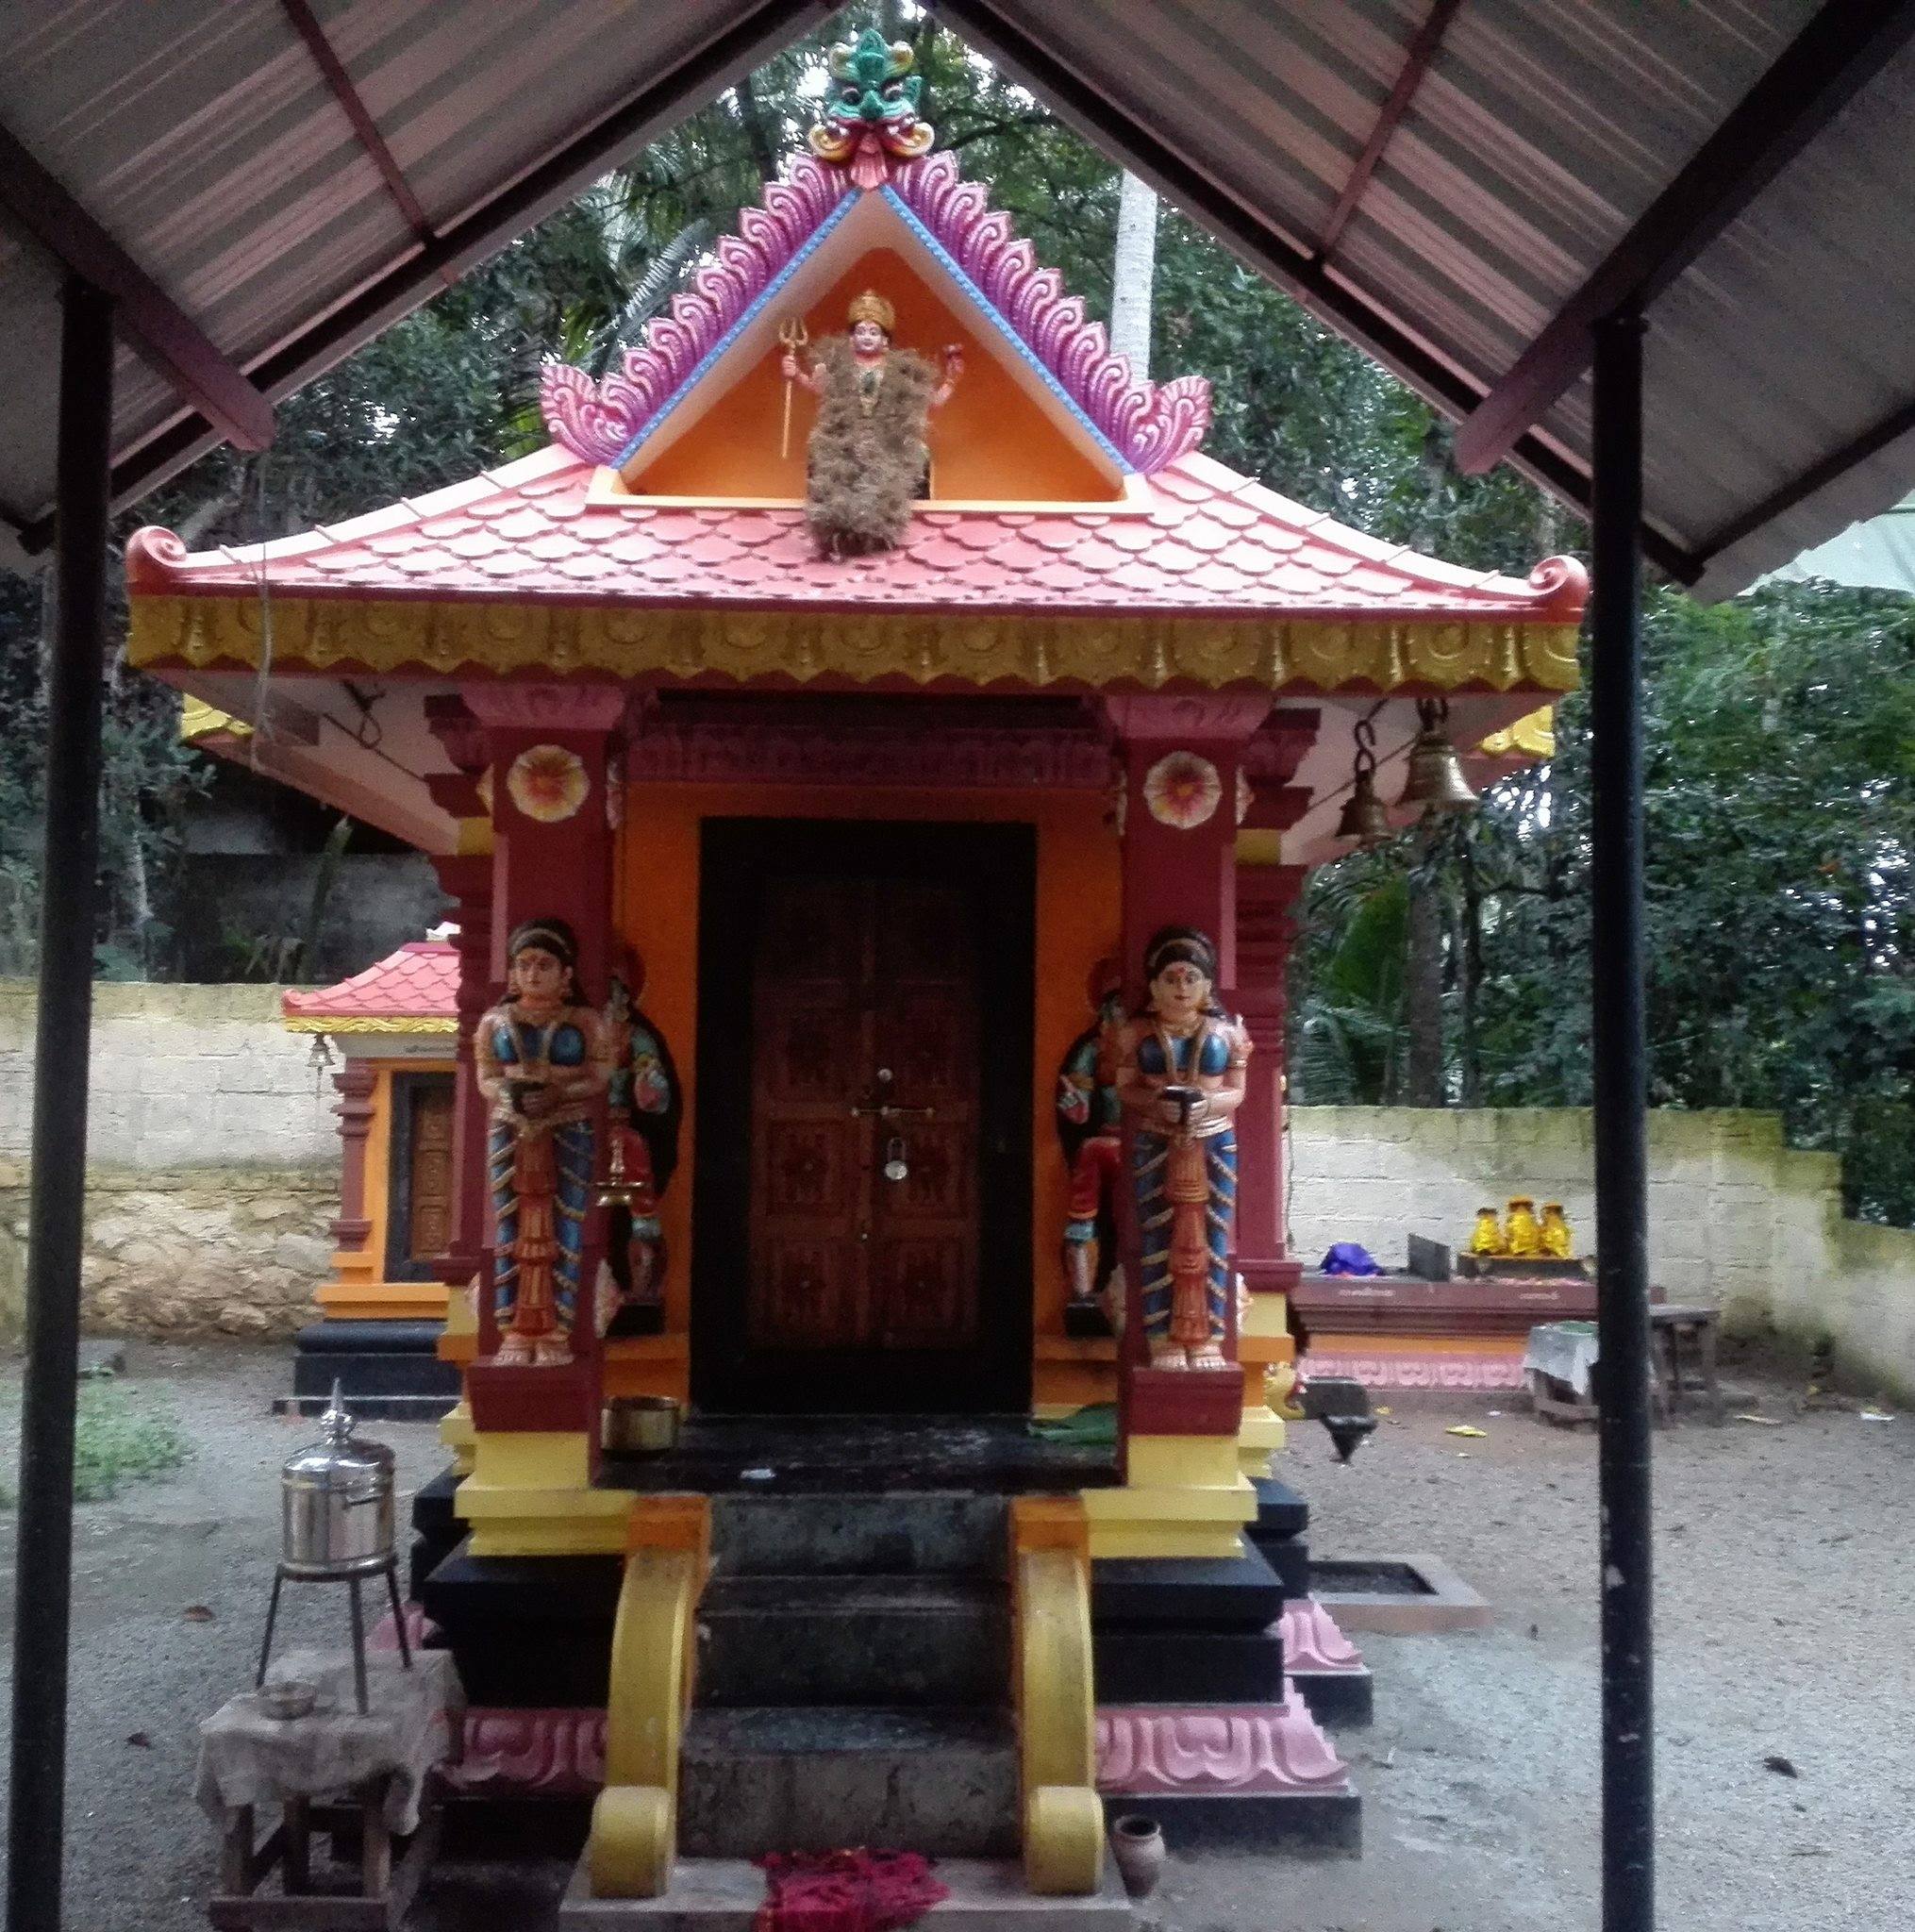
<point>1149,424</point>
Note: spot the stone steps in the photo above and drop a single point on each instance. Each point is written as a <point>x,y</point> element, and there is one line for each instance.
<point>940,1781</point>
<point>854,1534</point>
<point>854,1669</point>
<point>853,1639</point>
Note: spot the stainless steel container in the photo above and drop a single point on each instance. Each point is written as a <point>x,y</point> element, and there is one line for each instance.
<point>640,1424</point>
<point>336,1506</point>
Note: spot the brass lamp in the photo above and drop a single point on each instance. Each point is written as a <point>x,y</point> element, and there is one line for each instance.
<point>1435,780</point>
<point>1365,817</point>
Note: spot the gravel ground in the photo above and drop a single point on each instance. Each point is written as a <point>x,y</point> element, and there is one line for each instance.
<point>1786,1627</point>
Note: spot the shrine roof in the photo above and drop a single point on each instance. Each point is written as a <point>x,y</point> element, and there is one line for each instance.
<point>1194,539</point>
<point>412,991</point>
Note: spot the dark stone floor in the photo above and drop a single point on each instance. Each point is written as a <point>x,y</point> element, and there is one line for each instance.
<point>846,1454</point>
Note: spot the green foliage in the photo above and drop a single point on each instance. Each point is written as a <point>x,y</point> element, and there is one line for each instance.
<point>120,1437</point>
<point>1781,766</point>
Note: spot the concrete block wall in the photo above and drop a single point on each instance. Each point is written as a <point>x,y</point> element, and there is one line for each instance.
<point>181,1076</point>
<point>1737,1218</point>
<point>212,1162</point>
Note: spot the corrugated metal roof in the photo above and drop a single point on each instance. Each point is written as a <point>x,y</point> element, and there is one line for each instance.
<point>203,136</point>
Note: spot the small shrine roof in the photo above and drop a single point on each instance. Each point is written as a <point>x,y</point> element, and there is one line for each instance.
<point>412,991</point>
<point>1194,539</point>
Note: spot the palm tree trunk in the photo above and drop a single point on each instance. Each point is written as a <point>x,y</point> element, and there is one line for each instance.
<point>1133,270</point>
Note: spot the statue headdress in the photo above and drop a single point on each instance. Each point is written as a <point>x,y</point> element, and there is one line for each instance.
<point>871,306</point>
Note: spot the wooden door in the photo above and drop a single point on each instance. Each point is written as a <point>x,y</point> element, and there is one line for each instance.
<point>865,1016</point>
<point>419,1185</point>
<point>844,970</point>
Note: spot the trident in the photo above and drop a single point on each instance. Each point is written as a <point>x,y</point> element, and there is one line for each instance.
<point>791,333</point>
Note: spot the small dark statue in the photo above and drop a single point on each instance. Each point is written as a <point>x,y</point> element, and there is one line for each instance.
<point>866,458</point>
<point>646,1110</point>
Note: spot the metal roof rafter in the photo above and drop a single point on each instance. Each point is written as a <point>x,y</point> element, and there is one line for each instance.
<point>325,58</point>
<point>1840,50</point>
<point>1417,58</point>
<point>1273,254</point>
<point>536,193</point>
<point>152,323</point>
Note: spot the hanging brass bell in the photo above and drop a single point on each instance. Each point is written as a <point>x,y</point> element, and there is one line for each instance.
<point>1366,819</point>
<point>1435,780</point>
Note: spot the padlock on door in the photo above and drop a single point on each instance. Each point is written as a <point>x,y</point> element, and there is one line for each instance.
<point>895,1166</point>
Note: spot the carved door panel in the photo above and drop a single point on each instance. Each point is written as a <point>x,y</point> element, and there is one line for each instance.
<point>865,1016</point>
<point>419,1175</point>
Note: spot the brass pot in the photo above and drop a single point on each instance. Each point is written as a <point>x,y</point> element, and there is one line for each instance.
<point>641,1425</point>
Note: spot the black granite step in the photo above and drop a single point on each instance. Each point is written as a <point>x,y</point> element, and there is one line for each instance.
<point>939,1781</point>
<point>811,1640</point>
<point>859,1534</point>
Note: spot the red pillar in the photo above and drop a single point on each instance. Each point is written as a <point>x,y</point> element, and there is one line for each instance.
<point>1182,757</point>
<point>354,1082</point>
<point>468,883</point>
<point>1266,895</point>
<point>547,749</point>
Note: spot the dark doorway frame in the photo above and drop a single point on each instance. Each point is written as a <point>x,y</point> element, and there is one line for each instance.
<point>996,862</point>
<point>406,1085</point>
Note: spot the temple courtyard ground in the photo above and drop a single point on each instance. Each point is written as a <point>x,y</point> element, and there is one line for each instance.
<point>1787,1626</point>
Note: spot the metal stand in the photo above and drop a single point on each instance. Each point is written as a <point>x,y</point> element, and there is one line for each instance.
<point>297,1573</point>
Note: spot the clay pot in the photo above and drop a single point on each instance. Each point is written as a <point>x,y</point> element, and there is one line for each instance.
<point>1136,1844</point>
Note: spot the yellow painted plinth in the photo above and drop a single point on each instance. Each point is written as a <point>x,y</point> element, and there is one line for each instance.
<point>1182,1497</point>
<point>1258,1439</point>
<point>457,1432</point>
<point>530,1495</point>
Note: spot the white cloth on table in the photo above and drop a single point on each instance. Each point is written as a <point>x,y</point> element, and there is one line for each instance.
<point>249,1758</point>
<point>1566,1350</point>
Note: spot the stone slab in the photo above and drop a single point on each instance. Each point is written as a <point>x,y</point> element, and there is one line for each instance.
<point>1281,1512</point>
<point>1289,1556</point>
<point>1193,1593</point>
<point>1337,1697</point>
<point>724,1895</point>
<point>1440,1601</point>
<point>1253,1821</point>
<point>853,1639</point>
<point>527,1631</point>
<point>1187,1666</point>
<point>938,1781</point>
<point>851,1535</point>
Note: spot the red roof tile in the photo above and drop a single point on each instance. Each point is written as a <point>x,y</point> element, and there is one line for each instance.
<point>419,983</point>
<point>1199,540</point>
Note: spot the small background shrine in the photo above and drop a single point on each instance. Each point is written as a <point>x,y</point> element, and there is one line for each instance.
<point>831,840</point>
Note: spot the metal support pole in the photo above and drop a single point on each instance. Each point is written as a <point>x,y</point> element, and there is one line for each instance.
<point>1620,1051</point>
<point>43,1578</point>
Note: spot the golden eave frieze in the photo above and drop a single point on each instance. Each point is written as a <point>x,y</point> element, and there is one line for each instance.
<point>1378,653</point>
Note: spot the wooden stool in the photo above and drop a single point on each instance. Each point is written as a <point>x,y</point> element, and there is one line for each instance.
<point>1670,1327</point>
<point>386,1890</point>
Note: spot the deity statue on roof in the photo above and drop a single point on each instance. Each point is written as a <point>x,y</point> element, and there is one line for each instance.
<point>866,462</point>
<point>542,1061</point>
<point>1181,1078</point>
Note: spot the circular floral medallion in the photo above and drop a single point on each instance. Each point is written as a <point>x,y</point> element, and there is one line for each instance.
<point>547,783</point>
<point>1182,790</point>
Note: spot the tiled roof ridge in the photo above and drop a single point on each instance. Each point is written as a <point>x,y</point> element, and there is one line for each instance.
<point>155,556</point>
<point>1149,424</point>
<point>419,980</point>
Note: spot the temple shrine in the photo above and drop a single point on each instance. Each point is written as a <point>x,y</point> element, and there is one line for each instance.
<point>873,754</point>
